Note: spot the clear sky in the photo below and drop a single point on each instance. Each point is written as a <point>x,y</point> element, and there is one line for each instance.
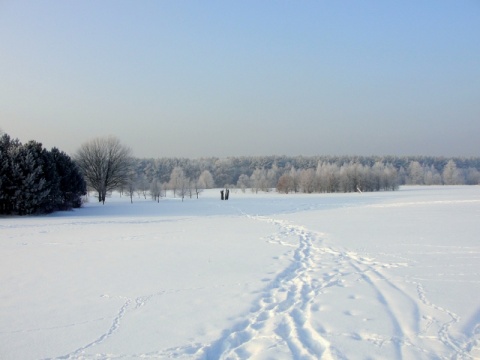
<point>231,78</point>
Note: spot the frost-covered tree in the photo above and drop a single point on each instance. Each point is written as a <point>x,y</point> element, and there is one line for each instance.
<point>193,188</point>
<point>273,174</point>
<point>177,179</point>
<point>183,187</point>
<point>327,177</point>
<point>432,176</point>
<point>131,184</point>
<point>205,180</point>
<point>285,183</point>
<point>451,175</point>
<point>472,176</point>
<point>349,178</point>
<point>198,187</point>
<point>155,190</point>
<point>390,176</point>
<point>416,173</point>
<point>224,171</point>
<point>142,185</point>
<point>295,177</point>
<point>259,180</point>
<point>243,182</point>
<point>105,163</point>
<point>307,180</point>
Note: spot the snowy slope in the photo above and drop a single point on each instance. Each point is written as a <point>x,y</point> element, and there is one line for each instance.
<point>391,275</point>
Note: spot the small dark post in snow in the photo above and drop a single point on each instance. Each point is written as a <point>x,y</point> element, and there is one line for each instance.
<point>221,194</point>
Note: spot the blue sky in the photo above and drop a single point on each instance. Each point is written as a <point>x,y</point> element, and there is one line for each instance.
<point>232,78</point>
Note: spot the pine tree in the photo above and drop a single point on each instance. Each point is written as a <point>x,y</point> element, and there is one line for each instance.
<point>71,185</point>
<point>32,189</point>
<point>34,180</point>
<point>7,184</point>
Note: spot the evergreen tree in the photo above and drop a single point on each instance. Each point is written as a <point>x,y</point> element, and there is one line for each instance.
<point>31,188</point>
<point>52,179</point>
<point>7,184</point>
<point>34,180</point>
<point>72,185</point>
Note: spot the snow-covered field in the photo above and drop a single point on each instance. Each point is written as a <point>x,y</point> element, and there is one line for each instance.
<point>390,275</point>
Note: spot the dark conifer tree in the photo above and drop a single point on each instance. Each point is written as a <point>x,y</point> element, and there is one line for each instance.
<point>34,180</point>
<point>71,185</point>
<point>31,187</point>
<point>7,184</point>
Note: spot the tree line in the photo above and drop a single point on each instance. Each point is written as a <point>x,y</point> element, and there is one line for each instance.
<point>34,180</point>
<point>305,174</point>
<point>188,177</point>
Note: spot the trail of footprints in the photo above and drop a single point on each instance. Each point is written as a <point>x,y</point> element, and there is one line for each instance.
<point>280,321</point>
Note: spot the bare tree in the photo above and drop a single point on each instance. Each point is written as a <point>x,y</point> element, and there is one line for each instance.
<point>105,164</point>
<point>183,187</point>
<point>192,187</point>
<point>155,190</point>
<point>131,185</point>
<point>199,185</point>
<point>143,186</point>
<point>164,189</point>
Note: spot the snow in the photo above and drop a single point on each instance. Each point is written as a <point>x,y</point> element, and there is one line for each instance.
<point>389,275</point>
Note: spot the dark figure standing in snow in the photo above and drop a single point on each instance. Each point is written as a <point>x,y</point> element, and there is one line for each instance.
<point>221,194</point>
<point>227,193</point>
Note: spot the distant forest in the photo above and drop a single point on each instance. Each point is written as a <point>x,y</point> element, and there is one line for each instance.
<point>308,173</point>
<point>35,180</point>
